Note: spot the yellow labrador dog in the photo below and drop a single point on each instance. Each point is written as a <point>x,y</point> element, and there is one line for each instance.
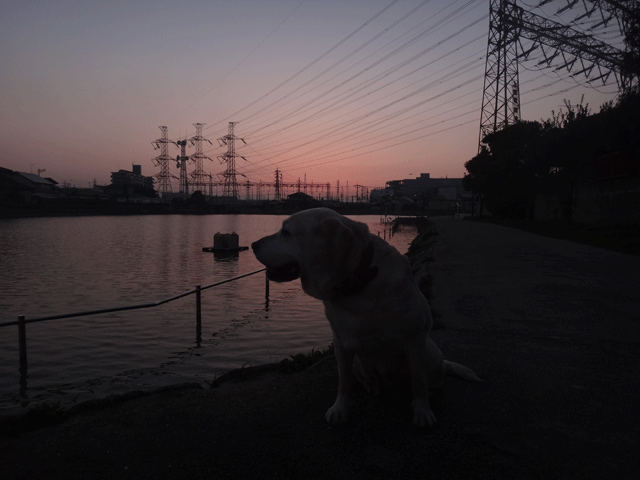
<point>379,317</point>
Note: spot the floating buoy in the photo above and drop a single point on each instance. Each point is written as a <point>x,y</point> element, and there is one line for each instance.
<point>225,242</point>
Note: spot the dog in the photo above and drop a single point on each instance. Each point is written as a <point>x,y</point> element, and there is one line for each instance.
<point>379,317</point>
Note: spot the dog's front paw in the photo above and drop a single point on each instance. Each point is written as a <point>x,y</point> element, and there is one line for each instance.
<point>338,414</point>
<point>423,416</point>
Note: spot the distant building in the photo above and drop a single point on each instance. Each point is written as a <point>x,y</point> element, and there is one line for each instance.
<point>378,195</point>
<point>94,193</point>
<point>129,183</point>
<point>423,187</point>
<point>396,186</point>
<point>423,191</point>
<point>26,187</point>
<point>442,188</point>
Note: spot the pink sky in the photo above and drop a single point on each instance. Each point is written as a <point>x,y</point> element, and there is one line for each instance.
<point>85,85</point>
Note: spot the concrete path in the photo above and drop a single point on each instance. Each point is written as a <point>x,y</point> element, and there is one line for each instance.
<point>552,327</point>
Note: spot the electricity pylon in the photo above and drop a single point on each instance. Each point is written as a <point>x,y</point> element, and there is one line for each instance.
<point>561,46</point>
<point>198,177</point>
<point>230,189</point>
<point>278,185</point>
<point>162,161</point>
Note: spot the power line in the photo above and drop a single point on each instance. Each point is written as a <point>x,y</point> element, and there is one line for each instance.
<point>304,69</point>
<point>461,29</point>
<point>323,117</point>
<point>243,60</point>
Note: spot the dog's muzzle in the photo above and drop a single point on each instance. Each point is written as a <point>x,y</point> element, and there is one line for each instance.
<point>282,273</point>
<point>285,273</point>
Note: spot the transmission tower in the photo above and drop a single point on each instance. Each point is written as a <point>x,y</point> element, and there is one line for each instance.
<point>230,189</point>
<point>198,177</point>
<point>561,46</point>
<point>278,183</point>
<point>617,10</point>
<point>182,167</point>
<point>162,161</point>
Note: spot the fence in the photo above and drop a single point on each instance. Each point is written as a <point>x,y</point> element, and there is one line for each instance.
<point>22,320</point>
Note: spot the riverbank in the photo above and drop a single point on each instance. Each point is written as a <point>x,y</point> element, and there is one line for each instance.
<point>550,326</point>
<point>77,209</point>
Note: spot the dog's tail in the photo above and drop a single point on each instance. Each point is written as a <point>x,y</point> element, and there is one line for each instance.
<point>452,368</point>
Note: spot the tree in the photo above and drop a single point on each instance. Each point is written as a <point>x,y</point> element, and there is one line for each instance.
<point>478,180</point>
<point>505,173</point>
<point>555,155</point>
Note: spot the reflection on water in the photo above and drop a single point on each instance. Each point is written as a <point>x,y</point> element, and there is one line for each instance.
<point>62,265</point>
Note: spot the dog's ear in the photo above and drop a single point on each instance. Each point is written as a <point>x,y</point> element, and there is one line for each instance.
<point>337,237</point>
<point>339,244</point>
<point>344,239</point>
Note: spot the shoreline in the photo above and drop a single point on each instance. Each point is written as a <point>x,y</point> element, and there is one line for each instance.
<point>126,209</point>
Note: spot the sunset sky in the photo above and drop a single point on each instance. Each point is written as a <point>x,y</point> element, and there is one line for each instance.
<point>363,91</point>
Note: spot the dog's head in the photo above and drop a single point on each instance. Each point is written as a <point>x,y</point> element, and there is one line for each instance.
<point>319,246</point>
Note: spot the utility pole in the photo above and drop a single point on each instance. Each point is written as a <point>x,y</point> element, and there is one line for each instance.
<point>230,189</point>
<point>359,192</point>
<point>162,161</point>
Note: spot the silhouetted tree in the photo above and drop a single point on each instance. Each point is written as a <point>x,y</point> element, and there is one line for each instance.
<point>553,156</point>
<point>479,179</point>
<point>506,172</point>
<point>571,139</point>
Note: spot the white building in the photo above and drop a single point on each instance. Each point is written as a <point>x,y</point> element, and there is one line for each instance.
<point>444,188</point>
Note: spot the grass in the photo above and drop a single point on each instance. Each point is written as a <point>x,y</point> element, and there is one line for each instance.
<point>299,362</point>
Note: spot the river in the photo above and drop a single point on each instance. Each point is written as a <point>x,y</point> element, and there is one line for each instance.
<point>71,264</point>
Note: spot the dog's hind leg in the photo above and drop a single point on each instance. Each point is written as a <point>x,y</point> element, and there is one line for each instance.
<point>435,364</point>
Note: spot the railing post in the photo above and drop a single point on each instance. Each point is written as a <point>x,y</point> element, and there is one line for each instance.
<point>266,291</point>
<point>198,306</point>
<point>22,343</point>
<point>198,315</point>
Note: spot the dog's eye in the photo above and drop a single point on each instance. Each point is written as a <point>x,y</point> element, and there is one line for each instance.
<point>285,233</point>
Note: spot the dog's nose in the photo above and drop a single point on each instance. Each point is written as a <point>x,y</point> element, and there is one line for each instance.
<point>254,245</point>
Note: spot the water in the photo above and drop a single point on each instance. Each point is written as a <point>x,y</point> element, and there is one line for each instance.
<point>61,265</point>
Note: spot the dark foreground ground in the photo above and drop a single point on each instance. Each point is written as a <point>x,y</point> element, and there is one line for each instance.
<point>552,327</point>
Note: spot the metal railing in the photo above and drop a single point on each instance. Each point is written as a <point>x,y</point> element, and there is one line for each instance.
<point>22,320</point>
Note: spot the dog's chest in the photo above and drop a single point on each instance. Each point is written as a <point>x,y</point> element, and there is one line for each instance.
<point>366,334</point>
